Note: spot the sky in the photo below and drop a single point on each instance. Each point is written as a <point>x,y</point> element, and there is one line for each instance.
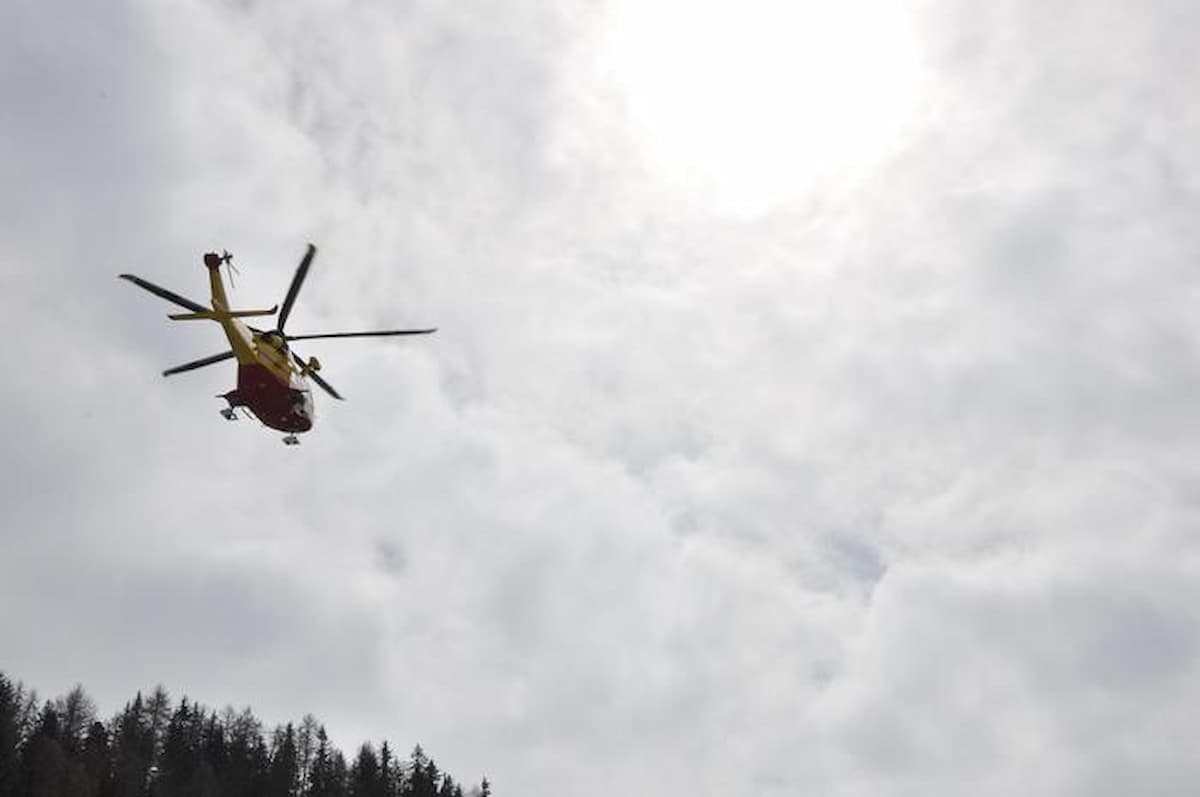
<point>811,411</point>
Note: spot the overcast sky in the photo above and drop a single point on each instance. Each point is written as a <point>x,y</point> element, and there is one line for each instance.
<point>813,409</point>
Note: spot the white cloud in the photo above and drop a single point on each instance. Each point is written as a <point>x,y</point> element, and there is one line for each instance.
<point>878,485</point>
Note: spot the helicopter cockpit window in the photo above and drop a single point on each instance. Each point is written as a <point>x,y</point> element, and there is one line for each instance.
<point>301,403</point>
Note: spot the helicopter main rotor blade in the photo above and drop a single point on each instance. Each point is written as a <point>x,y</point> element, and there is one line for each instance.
<point>163,293</point>
<point>194,364</point>
<point>328,388</point>
<point>374,334</point>
<point>294,288</point>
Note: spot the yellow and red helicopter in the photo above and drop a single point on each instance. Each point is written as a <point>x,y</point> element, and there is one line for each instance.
<point>272,379</point>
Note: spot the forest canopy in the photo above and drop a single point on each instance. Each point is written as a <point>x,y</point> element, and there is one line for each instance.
<point>155,748</point>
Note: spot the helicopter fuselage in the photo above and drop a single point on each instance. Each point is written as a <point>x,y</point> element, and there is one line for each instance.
<point>287,407</point>
<point>269,384</point>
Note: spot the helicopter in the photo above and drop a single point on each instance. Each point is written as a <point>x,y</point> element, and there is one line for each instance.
<point>272,380</point>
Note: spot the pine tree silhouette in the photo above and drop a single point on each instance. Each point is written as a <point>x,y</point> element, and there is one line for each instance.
<point>60,749</point>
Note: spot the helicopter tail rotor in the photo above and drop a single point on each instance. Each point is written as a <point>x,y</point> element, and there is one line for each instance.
<point>230,269</point>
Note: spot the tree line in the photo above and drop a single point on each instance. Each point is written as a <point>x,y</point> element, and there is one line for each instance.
<point>155,748</point>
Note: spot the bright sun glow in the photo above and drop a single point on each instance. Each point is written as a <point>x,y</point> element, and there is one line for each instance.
<point>753,101</point>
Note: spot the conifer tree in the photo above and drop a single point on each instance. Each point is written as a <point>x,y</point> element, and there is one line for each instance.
<point>133,750</point>
<point>423,776</point>
<point>96,761</point>
<point>389,771</point>
<point>76,713</point>
<point>29,711</point>
<point>284,774</point>
<point>341,772</point>
<point>328,776</point>
<point>449,788</point>
<point>9,736</point>
<point>45,770</point>
<point>320,773</point>
<point>306,748</point>
<point>158,714</point>
<point>249,761</point>
<point>180,752</point>
<point>365,779</point>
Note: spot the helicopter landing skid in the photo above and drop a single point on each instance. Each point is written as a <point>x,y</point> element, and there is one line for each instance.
<point>291,440</point>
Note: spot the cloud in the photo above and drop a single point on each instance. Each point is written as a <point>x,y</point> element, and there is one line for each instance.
<point>878,485</point>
